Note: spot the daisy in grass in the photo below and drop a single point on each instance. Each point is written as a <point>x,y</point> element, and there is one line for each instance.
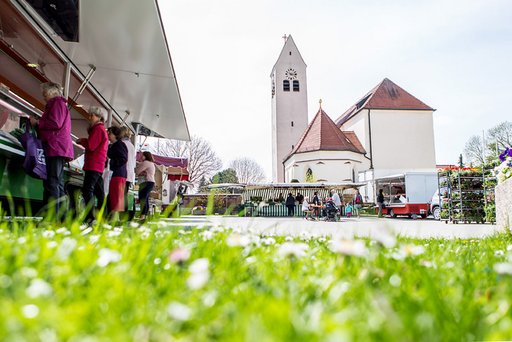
<point>291,249</point>
<point>349,247</point>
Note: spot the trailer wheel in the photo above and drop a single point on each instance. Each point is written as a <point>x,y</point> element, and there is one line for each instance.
<point>436,212</point>
<point>392,213</point>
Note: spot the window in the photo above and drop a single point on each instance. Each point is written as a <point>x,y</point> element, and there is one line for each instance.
<point>286,85</point>
<point>292,123</point>
<point>309,176</point>
<point>295,85</point>
<point>290,53</point>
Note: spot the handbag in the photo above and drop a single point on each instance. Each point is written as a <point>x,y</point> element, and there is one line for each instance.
<point>35,161</point>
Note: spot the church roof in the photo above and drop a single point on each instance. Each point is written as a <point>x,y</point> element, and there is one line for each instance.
<point>386,95</point>
<point>322,134</point>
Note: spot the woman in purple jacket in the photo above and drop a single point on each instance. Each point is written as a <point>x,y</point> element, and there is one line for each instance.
<point>54,130</point>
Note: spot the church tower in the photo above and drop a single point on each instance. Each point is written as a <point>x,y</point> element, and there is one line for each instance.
<point>289,105</point>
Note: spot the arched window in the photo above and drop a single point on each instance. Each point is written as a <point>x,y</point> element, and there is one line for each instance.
<point>309,176</point>
<point>296,85</point>
<point>286,85</point>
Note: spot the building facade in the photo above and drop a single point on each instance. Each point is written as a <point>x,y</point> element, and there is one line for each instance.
<point>386,132</point>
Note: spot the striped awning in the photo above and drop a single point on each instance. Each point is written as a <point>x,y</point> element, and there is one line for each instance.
<point>275,191</point>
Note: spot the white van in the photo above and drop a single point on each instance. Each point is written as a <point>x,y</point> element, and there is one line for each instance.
<point>435,202</point>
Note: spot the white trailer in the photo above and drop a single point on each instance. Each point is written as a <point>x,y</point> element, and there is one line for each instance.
<point>407,194</point>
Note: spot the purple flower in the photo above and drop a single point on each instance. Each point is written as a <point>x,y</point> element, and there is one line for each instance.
<point>505,154</point>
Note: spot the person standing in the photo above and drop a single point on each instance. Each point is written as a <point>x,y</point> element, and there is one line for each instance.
<point>380,201</point>
<point>130,168</point>
<point>54,130</point>
<point>96,146</point>
<point>358,203</point>
<point>316,204</point>
<point>146,172</point>
<point>337,201</point>
<point>290,204</point>
<point>299,198</point>
<point>118,155</point>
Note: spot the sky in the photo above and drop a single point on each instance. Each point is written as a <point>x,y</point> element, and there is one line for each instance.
<point>455,56</point>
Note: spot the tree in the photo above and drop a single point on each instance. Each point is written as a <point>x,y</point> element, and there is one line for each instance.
<point>224,176</point>
<point>497,139</point>
<point>202,160</point>
<point>247,170</point>
<point>501,134</point>
<point>202,187</point>
<point>474,150</point>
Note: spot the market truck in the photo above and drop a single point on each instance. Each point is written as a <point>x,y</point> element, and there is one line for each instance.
<point>100,59</point>
<point>407,194</point>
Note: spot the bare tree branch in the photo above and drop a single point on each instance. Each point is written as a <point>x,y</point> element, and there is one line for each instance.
<point>247,170</point>
<point>202,160</point>
<point>473,150</point>
<point>501,134</point>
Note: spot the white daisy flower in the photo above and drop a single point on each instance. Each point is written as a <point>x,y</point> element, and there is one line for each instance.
<point>292,249</point>
<point>179,311</point>
<point>107,256</point>
<point>349,247</point>
<point>39,288</point>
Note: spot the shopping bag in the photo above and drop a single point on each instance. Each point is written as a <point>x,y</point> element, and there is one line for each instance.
<point>35,162</point>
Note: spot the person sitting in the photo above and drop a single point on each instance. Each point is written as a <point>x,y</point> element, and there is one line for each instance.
<point>306,209</point>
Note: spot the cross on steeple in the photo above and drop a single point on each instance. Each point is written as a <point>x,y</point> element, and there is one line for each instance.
<point>284,37</point>
<point>320,102</point>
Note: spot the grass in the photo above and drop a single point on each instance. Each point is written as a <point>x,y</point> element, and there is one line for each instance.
<point>157,282</point>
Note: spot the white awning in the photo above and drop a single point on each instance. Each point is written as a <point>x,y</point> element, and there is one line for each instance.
<point>126,42</point>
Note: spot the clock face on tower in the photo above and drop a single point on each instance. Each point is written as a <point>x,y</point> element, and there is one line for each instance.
<point>291,74</point>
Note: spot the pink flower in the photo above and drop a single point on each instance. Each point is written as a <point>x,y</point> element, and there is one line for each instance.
<point>179,255</point>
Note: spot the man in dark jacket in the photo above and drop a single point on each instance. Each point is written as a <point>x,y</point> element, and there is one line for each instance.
<point>290,204</point>
<point>94,161</point>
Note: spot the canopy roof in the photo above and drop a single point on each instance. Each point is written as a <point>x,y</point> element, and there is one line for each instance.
<point>126,44</point>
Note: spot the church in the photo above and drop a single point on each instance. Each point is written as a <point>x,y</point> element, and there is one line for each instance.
<point>386,132</point>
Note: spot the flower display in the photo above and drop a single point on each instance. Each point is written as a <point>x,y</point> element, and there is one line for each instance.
<point>504,170</point>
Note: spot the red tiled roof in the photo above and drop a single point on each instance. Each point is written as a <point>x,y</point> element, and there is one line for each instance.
<point>322,134</point>
<point>386,95</point>
<point>351,135</point>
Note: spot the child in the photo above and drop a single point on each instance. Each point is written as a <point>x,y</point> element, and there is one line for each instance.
<point>348,209</point>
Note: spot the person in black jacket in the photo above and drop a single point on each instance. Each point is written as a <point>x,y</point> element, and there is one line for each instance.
<point>380,201</point>
<point>118,155</point>
<point>290,204</point>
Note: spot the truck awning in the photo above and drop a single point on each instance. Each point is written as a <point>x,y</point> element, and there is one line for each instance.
<point>125,41</point>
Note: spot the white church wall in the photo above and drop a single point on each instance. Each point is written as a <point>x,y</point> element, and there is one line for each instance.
<point>329,166</point>
<point>402,141</point>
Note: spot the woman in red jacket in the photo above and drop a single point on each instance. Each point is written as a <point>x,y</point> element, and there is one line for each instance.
<point>94,161</point>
